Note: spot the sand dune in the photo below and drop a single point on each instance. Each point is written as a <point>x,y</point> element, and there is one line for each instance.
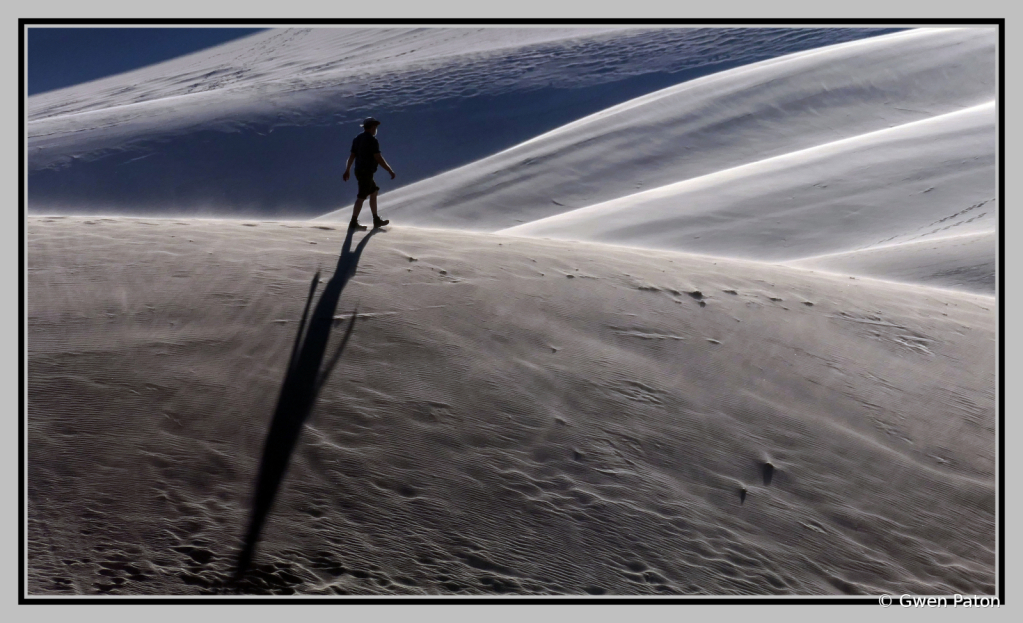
<point>961,262</point>
<point>713,124</point>
<point>717,319</point>
<point>507,415</point>
<point>925,179</point>
<point>262,125</point>
<point>281,59</point>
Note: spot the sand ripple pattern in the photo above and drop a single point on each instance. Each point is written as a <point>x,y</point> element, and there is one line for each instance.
<point>497,428</point>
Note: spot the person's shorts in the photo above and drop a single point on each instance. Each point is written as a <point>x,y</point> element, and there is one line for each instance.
<point>366,184</point>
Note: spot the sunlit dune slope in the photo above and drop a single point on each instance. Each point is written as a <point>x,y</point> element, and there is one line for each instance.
<point>961,262</point>
<point>913,182</point>
<point>714,124</point>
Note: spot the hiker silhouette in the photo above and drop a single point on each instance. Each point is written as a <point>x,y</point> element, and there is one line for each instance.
<point>366,156</point>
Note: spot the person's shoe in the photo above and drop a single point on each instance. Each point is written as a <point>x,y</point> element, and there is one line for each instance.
<point>379,222</point>
<point>355,225</point>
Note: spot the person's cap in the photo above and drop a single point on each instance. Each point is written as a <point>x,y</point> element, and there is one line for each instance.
<point>369,122</point>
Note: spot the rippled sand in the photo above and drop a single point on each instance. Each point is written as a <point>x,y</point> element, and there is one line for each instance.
<point>507,415</point>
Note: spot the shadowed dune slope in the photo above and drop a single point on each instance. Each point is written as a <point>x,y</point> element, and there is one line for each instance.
<point>713,124</point>
<point>262,125</point>
<point>509,415</point>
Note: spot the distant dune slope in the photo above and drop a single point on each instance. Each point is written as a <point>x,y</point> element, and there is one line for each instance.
<point>962,262</point>
<point>509,415</point>
<point>280,59</point>
<point>262,125</point>
<point>714,124</point>
<point>925,179</point>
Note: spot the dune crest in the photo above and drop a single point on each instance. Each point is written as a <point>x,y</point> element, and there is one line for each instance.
<point>712,124</point>
<point>919,181</point>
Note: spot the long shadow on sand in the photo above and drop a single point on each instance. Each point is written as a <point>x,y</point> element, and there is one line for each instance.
<point>298,392</point>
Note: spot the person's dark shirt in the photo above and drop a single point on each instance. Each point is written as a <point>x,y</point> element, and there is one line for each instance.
<point>364,146</point>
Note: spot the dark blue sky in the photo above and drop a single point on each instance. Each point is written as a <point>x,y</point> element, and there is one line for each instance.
<point>61,57</point>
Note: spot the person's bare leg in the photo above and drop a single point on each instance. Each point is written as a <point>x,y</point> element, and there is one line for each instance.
<point>377,221</point>
<point>358,208</point>
<point>373,204</point>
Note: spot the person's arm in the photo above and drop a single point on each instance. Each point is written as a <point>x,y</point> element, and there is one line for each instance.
<point>380,160</point>
<point>348,167</point>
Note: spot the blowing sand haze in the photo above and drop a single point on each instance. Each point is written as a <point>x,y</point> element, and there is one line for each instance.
<point>733,335</point>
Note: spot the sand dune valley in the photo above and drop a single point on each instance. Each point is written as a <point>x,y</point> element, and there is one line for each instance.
<point>659,313</point>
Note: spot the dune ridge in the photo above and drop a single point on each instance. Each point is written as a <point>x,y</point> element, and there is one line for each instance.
<point>714,123</point>
<point>891,185</point>
<point>962,262</point>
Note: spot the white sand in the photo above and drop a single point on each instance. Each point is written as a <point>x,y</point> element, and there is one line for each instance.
<point>719,123</point>
<point>261,126</point>
<point>508,415</point>
<point>926,179</point>
<point>808,407</point>
<point>963,262</point>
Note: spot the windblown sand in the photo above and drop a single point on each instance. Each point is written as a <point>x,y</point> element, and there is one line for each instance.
<point>259,127</point>
<point>507,415</point>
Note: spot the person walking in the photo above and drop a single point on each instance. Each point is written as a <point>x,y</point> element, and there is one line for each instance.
<point>366,156</point>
